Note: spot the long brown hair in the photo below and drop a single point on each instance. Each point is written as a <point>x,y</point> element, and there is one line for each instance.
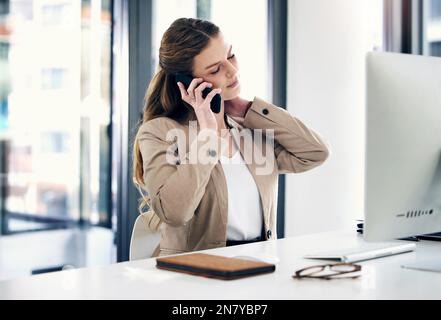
<point>183,40</point>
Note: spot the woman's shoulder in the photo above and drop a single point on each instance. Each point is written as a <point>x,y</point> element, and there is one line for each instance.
<point>159,124</point>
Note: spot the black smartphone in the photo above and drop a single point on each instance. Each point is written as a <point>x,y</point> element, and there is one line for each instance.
<point>186,79</point>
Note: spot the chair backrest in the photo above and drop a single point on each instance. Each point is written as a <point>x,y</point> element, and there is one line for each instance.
<point>145,236</point>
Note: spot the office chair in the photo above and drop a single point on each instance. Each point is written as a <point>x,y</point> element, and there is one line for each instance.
<point>145,236</point>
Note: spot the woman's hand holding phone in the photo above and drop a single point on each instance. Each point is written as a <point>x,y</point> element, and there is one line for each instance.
<point>201,106</point>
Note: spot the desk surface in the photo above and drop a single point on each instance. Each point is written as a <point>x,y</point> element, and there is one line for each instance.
<point>382,278</point>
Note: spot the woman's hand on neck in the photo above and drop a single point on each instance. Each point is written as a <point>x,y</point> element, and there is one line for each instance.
<point>237,107</point>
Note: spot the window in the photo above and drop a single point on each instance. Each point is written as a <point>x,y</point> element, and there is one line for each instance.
<point>54,142</point>
<point>55,14</point>
<point>55,96</point>
<point>53,78</point>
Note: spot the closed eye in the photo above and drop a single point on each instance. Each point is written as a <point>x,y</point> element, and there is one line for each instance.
<point>229,58</point>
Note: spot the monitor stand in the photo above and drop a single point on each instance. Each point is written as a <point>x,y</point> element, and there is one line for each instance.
<point>427,264</point>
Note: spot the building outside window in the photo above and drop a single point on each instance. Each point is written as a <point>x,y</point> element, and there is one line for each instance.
<point>55,95</point>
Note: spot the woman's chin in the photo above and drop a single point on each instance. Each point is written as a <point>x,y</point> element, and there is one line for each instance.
<point>231,94</point>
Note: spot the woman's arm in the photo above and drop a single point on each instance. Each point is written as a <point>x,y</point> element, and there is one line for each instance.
<point>174,187</point>
<point>297,148</point>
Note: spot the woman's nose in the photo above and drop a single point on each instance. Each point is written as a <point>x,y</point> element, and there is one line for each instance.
<point>231,70</point>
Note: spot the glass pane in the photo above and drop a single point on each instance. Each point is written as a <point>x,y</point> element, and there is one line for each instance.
<point>55,67</point>
<point>433,27</point>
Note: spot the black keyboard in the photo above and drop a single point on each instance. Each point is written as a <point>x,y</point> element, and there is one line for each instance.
<point>431,236</point>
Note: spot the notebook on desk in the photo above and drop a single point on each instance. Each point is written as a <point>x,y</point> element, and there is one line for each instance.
<point>366,251</point>
<point>213,266</point>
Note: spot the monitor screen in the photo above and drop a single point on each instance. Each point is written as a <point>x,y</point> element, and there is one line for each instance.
<point>403,146</point>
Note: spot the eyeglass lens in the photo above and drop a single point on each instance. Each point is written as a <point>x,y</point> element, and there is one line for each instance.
<point>340,270</point>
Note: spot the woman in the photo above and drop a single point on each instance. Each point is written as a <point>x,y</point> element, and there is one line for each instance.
<point>228,195</point>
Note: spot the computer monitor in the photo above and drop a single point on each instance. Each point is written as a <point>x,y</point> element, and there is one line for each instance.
<point>403,147</point>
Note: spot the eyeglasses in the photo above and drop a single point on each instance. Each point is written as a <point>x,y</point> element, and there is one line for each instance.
<point>329,271</point>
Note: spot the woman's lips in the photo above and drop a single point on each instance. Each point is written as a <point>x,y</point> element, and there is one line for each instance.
<point>234,84</point>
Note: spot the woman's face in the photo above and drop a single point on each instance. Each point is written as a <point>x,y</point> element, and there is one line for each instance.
<point>217,64</point>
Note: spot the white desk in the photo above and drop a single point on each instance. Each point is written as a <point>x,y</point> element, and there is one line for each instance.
<point>382,278</point>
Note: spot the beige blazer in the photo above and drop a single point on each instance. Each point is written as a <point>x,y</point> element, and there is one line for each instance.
<point>192,199</point>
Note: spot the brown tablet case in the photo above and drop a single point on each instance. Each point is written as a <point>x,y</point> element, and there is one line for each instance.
<point>213,266</point>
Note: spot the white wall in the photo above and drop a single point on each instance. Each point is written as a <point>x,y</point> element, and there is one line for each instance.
<point>327,42</point>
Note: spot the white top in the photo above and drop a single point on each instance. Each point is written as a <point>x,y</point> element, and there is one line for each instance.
<point>245,214</point>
